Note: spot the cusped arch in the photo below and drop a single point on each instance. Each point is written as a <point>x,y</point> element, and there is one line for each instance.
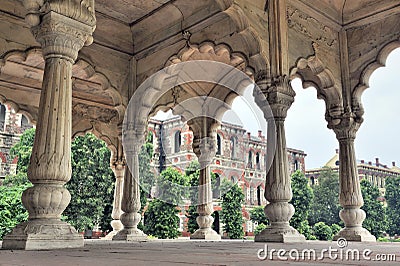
<point>83,69</point>
<point>379,61</point>
<point>313,73</point>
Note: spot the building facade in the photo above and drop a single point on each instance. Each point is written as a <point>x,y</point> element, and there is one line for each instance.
<point>12,125</point>
<point>240,157</point>
<point>375,172</point>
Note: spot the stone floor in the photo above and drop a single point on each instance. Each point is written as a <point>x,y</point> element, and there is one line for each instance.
<point>186,252</point>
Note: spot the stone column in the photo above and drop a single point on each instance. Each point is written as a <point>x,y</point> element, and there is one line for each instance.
<point>204,146</point>
<point>119,170</point>
<point>350,196</point>
<point>130,204</point>
<point>278,190</point>
<point>61,37</point>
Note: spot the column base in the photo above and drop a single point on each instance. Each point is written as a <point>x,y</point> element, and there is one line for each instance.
<point>280,234</point>
<point>130,235</point>
<point>117,226</point>
<point>356,234</point>
<point>206,234</point>
<point>42,234</point>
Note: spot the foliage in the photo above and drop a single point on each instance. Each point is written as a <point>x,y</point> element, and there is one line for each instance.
<point>259,228</point>
<point>375,222</point>
<point>257,215</point>
<point>305,229</point>
<point>23,149</point>
<point>392,196</point>
<point>302,199</point>
<point>20,178</point>
<point>231,213</point>
<point>161,218</point>
<point>12,211</point>
<point>322,231</point>
<point>325,207</point>
<point>91,184</point>
<point>335,229</point>
<point>146,175</point>
<point>172,186</point>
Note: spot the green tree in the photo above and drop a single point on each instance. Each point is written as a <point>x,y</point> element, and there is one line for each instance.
<point>147,177</point>
<point>322,231</point>
<point>257,215</point>
<point>193,173</point>
<point>12,212</point>
<point>302,199</point>
<point>91,184</point>
<point>231,214</point>
<point>23,150</point>
<point>375,222</point>
<point>392,196</point>
<point>325,207</point>
<point>161,218</point>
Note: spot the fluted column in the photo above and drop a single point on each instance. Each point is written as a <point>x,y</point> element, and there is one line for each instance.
<point>119,170</point>
<point>350,197</point>
<point>130,204</point>
<point>61,37</point>
<point>204,146</point>
<point>278,190</point>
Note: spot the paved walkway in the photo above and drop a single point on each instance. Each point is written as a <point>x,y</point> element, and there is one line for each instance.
<point>189,252</point>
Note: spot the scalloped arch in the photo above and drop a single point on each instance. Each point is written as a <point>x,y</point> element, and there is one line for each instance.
<point>379,61</point>
<point>313,73</point>
<point>20,109</point>
<point>82,65</point>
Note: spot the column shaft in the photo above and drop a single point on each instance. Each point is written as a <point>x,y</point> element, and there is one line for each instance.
<point>350,196</point>
<point>130,204</point>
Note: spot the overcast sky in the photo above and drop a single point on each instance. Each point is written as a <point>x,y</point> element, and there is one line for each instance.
<point>306,126</point>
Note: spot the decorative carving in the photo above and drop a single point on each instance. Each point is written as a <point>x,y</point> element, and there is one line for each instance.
<point>80,10</point>
<point>312,28</point>
<point>94,113</point>
<point>280,96</point>
<point>61,36</point>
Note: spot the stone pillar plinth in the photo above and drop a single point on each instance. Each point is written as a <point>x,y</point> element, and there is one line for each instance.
<point>130,204</point>
<point>204,146</point>
<point>119,170</point>
<point>278,190</point>
<point>61,37</point>
<point>350,197</point>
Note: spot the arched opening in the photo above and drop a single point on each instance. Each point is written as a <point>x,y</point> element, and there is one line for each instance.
<point>219,145</point>
<point>233,147</point>
<point>2,116</point>
<point>177,141</point>
<point>259,199</point>
<point>250,160</point>
<point>258,165</point>
<point>217,185</point>
<point>312,179</point>
<point>216,224</point>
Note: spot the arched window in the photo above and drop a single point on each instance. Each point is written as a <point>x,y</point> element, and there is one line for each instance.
<point>233,148</point>
<point>218,145</point>
<point>258,165</point>
<point>2,116</point>
<point>250,160</point>
<point>296,165</point>
<point>259,196</point>
<point>312,179</point>
<point>177,141</point>
<point>216,187</point>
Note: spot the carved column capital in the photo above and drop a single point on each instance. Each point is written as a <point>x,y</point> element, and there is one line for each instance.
<point>61,36</point>
<point>280,96</point>
<point>346,127</point>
